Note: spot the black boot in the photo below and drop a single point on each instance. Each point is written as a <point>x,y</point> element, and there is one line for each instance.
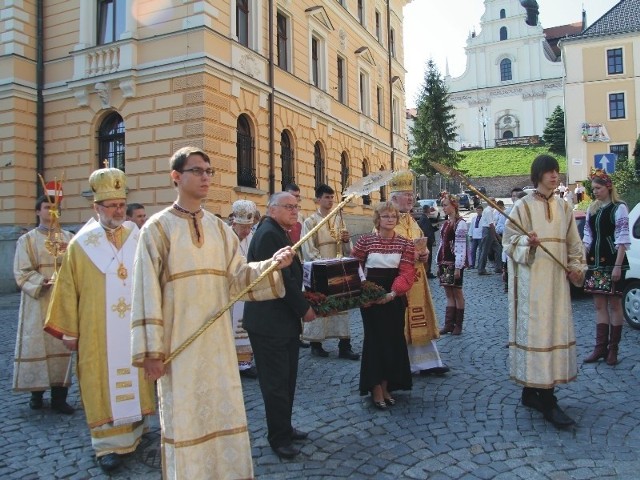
<point>317,350</point>
<point>59,400</point>
<point>36,400</point>
<point>552,412</point>
<point>614,341</point>
<point>531,398</point>
<point>345,350</point>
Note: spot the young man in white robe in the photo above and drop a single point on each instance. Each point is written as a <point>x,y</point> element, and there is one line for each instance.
<point>89,311</point>
<point>542,342</point>
<point>323,245</point>
<point>188,265</point>
<point>41,361</point>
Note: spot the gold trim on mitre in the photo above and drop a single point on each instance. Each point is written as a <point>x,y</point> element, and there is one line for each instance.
<point>107,184</point>
<point>402,181</point>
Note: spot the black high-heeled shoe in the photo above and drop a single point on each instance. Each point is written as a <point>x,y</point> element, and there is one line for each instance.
<point>390,401</point>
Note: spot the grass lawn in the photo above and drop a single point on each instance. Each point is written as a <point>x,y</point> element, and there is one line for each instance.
<point>504,161</point>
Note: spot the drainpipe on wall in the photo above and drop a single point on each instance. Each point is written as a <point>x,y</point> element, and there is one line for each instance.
<point>389,60</point>
<point>272,174</point>
<point>39,94</point>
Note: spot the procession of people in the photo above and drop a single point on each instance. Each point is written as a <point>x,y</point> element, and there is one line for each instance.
<point>130,298</point>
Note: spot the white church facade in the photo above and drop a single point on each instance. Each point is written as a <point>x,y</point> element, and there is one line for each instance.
<point>513,78</point>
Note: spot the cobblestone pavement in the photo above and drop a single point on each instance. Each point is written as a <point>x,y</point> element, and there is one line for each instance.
<point>467,424</point>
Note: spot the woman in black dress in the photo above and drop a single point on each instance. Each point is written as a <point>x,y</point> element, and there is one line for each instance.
<point>606,240</point>
<point>388,260</point>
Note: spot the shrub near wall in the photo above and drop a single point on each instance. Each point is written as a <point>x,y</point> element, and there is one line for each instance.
<point>501,186</point>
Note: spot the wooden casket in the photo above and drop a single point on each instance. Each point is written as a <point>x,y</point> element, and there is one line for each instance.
<point>335,276</point>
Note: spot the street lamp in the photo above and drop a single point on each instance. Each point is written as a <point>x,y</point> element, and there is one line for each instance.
<point>483,111</point>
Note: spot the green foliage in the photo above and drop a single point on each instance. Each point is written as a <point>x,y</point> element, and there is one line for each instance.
<point>636,156</point>
<point>626,182</point>
<point>434,128</point>
<point>504,161</point>
<point>554,134</point>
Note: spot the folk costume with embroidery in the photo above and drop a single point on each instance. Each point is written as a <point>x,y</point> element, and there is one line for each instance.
<point>41,361</point>
<point>91,302</point>
<point>542,343</point>
<point>188,265</point>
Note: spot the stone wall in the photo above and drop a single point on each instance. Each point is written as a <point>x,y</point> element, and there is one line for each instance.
<point>501,186</point>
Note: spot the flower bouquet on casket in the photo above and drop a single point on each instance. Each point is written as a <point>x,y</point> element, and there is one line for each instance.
<point>326,306</point>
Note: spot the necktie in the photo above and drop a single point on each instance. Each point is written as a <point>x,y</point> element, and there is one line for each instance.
<point>477,220</point>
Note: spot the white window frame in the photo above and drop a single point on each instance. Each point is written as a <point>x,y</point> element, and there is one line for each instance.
<point>342,82</point>
<point>363,20</point>
<point>379,26</point>
<point>255,24</point>
<point>395,123</point>
<point>286,14</point>
<point>626,106</point>
<point>392,42</point>
<point>606,61</point>
<point>322,59</point>
<point>364,92</point>
<point>380,104</point>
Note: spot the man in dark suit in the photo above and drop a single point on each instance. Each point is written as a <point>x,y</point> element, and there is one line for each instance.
<point>430,232</point>
<point>274,327</point>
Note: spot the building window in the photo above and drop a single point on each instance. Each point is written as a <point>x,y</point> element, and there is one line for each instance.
<point>503,13</point>
<point>503,33</point>
<point>392,42</point>
<point>246,170</point>
<point>616,106</point>
<point>380,103</point>
<point>318,62</point>
<point>621,150</point>
<point>344,172</point>
<point>361,12</point>
<point>614,61</point>
<point>366,199</point>
<point>342,80</point>
<point>286,157</point>
<point>111,142</point>
<point>364,94</point>
<point>318,164</point>
<point>111,20</point>
<point>507,134</point>
<point>505,70</point>
<point>242,21</point>
<point>378,26</point>
<point>395,104</point>
<point>283,41</point>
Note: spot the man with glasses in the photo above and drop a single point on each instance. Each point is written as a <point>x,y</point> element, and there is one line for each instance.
<point>323,245</point>
<point>274,327</point>
<point>421,327</point>
<point>188,266</point>
<point>89,311</point>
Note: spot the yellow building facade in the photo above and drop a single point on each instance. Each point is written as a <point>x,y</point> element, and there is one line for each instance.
<point>276,91</point>
<point>602,89</point>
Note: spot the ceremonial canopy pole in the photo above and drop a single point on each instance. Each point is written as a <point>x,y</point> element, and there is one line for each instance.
<point>451,172</point>
<point>363,187</point>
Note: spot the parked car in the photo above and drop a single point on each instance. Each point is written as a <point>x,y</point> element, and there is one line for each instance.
<point>631,293</point>
<point>464,201</point>
<point>435,214</point>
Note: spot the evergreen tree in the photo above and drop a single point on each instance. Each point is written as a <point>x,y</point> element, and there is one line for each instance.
<point>434,126</point>
<point>553,134</point>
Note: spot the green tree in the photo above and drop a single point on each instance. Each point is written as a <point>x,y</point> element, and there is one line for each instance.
<point>554,134</point>
<point>434,126</point>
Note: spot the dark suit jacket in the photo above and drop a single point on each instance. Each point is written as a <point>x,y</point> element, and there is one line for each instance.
<point>280,317</point>
<point>427,228</point>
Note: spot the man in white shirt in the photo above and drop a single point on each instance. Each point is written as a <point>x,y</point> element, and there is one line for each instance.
<point>475,236</point>
<point>489,242</point>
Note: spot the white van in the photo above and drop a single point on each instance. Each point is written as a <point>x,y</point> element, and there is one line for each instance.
<point>631,295</point>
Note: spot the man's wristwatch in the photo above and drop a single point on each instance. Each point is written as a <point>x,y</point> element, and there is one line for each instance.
<point>393,294</point>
